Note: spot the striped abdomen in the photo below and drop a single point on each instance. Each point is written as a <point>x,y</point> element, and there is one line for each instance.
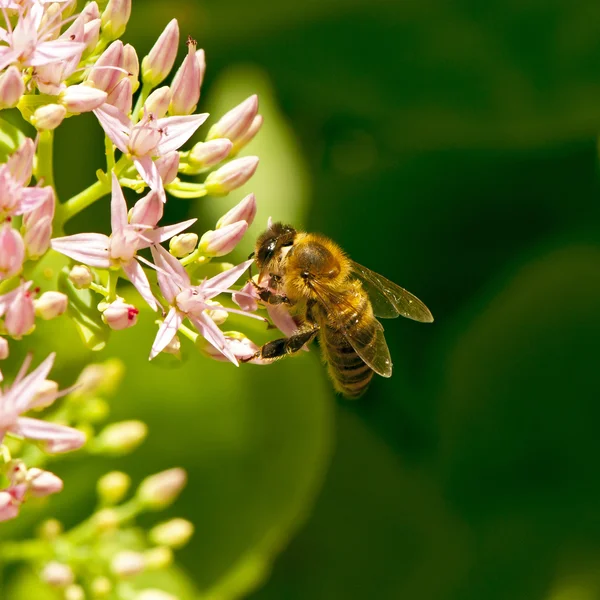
<point>350,374</point>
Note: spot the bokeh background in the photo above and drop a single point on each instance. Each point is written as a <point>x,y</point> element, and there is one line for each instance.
<point>452,147</point>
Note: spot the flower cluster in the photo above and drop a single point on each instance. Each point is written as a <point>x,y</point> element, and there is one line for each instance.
<point>56,63</point>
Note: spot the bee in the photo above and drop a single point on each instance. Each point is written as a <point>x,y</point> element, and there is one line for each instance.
<point>335,299</point>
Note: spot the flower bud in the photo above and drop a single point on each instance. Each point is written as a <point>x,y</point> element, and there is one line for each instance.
<point>82,98</point>
<point>174,533</point>
<point>153,594</point>
<point>121,96</point>
<point>12,251</point>
<point>174,346</point>
<point>204,155</point>
<point>91,35</point>
<point>160,490</point>
<point>74,592</point>
<point>43,483</point>
<point>20,315</point>
<point>244,211</point>
<point>113,487</point>
<point>119,315</point>
<point>45,394</point>
<point>241,346</point>
<point>50,305</point>
<point>20,163</point>
<point>216,312</point>
<point>121,438</point>
<point>186,84</point>
<point>11,88</point>
<point>3,348</point>
<point>247,137</point>
<point>183,244</point>
<point>101,587</point>
<point>168,166</point>
<point>231,176</point>
<point>236,122</point>
<point>127,563</point>
<point>57,574</point>
<point>100,378</point>
<point>48,117</point>
<point>222,241</point>
<point>131,64</point>
<point>158,102</point>
<point>106,519</point>
<point>115,18</point>
<point>159,558</point>
<point>159,62</point>
<point>43,210</point>
<point>9,507</point>
<point>148,210</point>
<point>37,239</point>
<point>102,74</point>
<point>81,277</point>
<point>50,529</point>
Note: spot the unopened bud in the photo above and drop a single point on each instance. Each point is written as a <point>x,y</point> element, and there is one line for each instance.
<point>204,155</point>
<point>45,394</point>
<point>248,136</point>
<point>148,210</point>
<point>105,78</point>
<point>12,251</point>
<point>50,529</point>
<point>231,176</point>
<point>101,587</point>
<point>222,241</point>
<point>20,315</point>
<point>20,163</point>
<point>115,18</point>
<point>37,238</point>
<point>91,35</point>
<point>121,438</point>
<point>216,312</point>
<point>43,483</point>
<point>168,166</point>
<point>57,574</point>
<point>160,490</point>
<point>186,84</point>
<point>119,315</point>
<point>174,533</point>
<point>183,244</point>
<point>131,64</point>
<point>236,122</point>
<point>51,305</point>
<point>159,62</point>
<point>127,564</point>
<point>3,348</point>
<point>174,346</point>
<point>48,117</point>
<point>113,487</point>
<point>11,88</point>
<point>243,211</point>
<point>74,592</point>
<point>106,519</point>
<point>159,558</point>
<point>121,96</point>
<point>158,102</point>
<point>82,98</point>
<point>81,277</point>
<point>100,378</point>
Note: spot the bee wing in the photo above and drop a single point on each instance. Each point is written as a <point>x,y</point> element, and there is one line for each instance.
<point>373,350</point>
<point>388,299</point>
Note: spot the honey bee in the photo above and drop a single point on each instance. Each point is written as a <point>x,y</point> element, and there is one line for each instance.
<point>333,298</point>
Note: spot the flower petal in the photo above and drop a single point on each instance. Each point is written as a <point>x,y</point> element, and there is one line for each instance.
<point>88,248</point>
<point>216,285</point>
<point>211,333</point>
<point>118,207</point>
<point>172,277</point>
<point>149,173</point>
<point>31,198</point>
<point>161,234</point>
<point>116,125</point>
<point>178,130</point>
<point>54,51</point>
<point>138,278</point>
<point>58,438</point>
<point>22,393</point>
<point>166,332</point>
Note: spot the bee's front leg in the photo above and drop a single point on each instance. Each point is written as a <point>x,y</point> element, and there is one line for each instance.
<point>269,297</point>
<point>284,346</point>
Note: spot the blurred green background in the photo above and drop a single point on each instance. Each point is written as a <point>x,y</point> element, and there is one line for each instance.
<point>452,147</point>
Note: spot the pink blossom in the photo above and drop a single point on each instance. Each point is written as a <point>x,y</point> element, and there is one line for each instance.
<point>186,83</point>
<point>28,46</point>
<point>20,397</point>
<point>12,251</point>
<point>159,61</point>
<point>147,139</point>
<point>10,501</point>
<point>191,302</point>
<point>120,315</point>
<point>18,310</point>
<point>102,251</point>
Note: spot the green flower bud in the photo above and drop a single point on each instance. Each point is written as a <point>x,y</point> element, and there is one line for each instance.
<point>174,533</point>
<point>113,486</point>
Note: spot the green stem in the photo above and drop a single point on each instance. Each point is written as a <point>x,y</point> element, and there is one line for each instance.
<point>82,200</point>
<point>26,550</point>
<point>188,333</point>
<point>113,279</point>
<point>139,103</point>
<point>45,168</point>
<point>110,154</point>
<point>196,255</point>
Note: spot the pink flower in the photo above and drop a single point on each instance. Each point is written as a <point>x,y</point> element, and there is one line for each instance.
<point>119,315</point>
<point>18,310</point>
<point>12,251</point>
<point>186,82</point>
<point>10,501</point>
<point>147,139</point>
<point>191,302</point>
<point>159,62</point>
<point>26,45</point>
<point>21,397</point>
<point>99,250</point>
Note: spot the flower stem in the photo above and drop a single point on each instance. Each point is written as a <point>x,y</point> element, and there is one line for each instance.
<point>45,168</point>
<point>141,99</point>
<point>188,333</point>
<point>113,279</point>
<point>196,255</point>
<point>82,200</point>
<point>110,154</point>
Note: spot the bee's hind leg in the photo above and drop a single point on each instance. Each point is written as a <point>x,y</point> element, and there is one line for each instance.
<point>283,346</point>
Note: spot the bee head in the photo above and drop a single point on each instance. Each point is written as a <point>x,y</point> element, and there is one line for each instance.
<point>270,243</point>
